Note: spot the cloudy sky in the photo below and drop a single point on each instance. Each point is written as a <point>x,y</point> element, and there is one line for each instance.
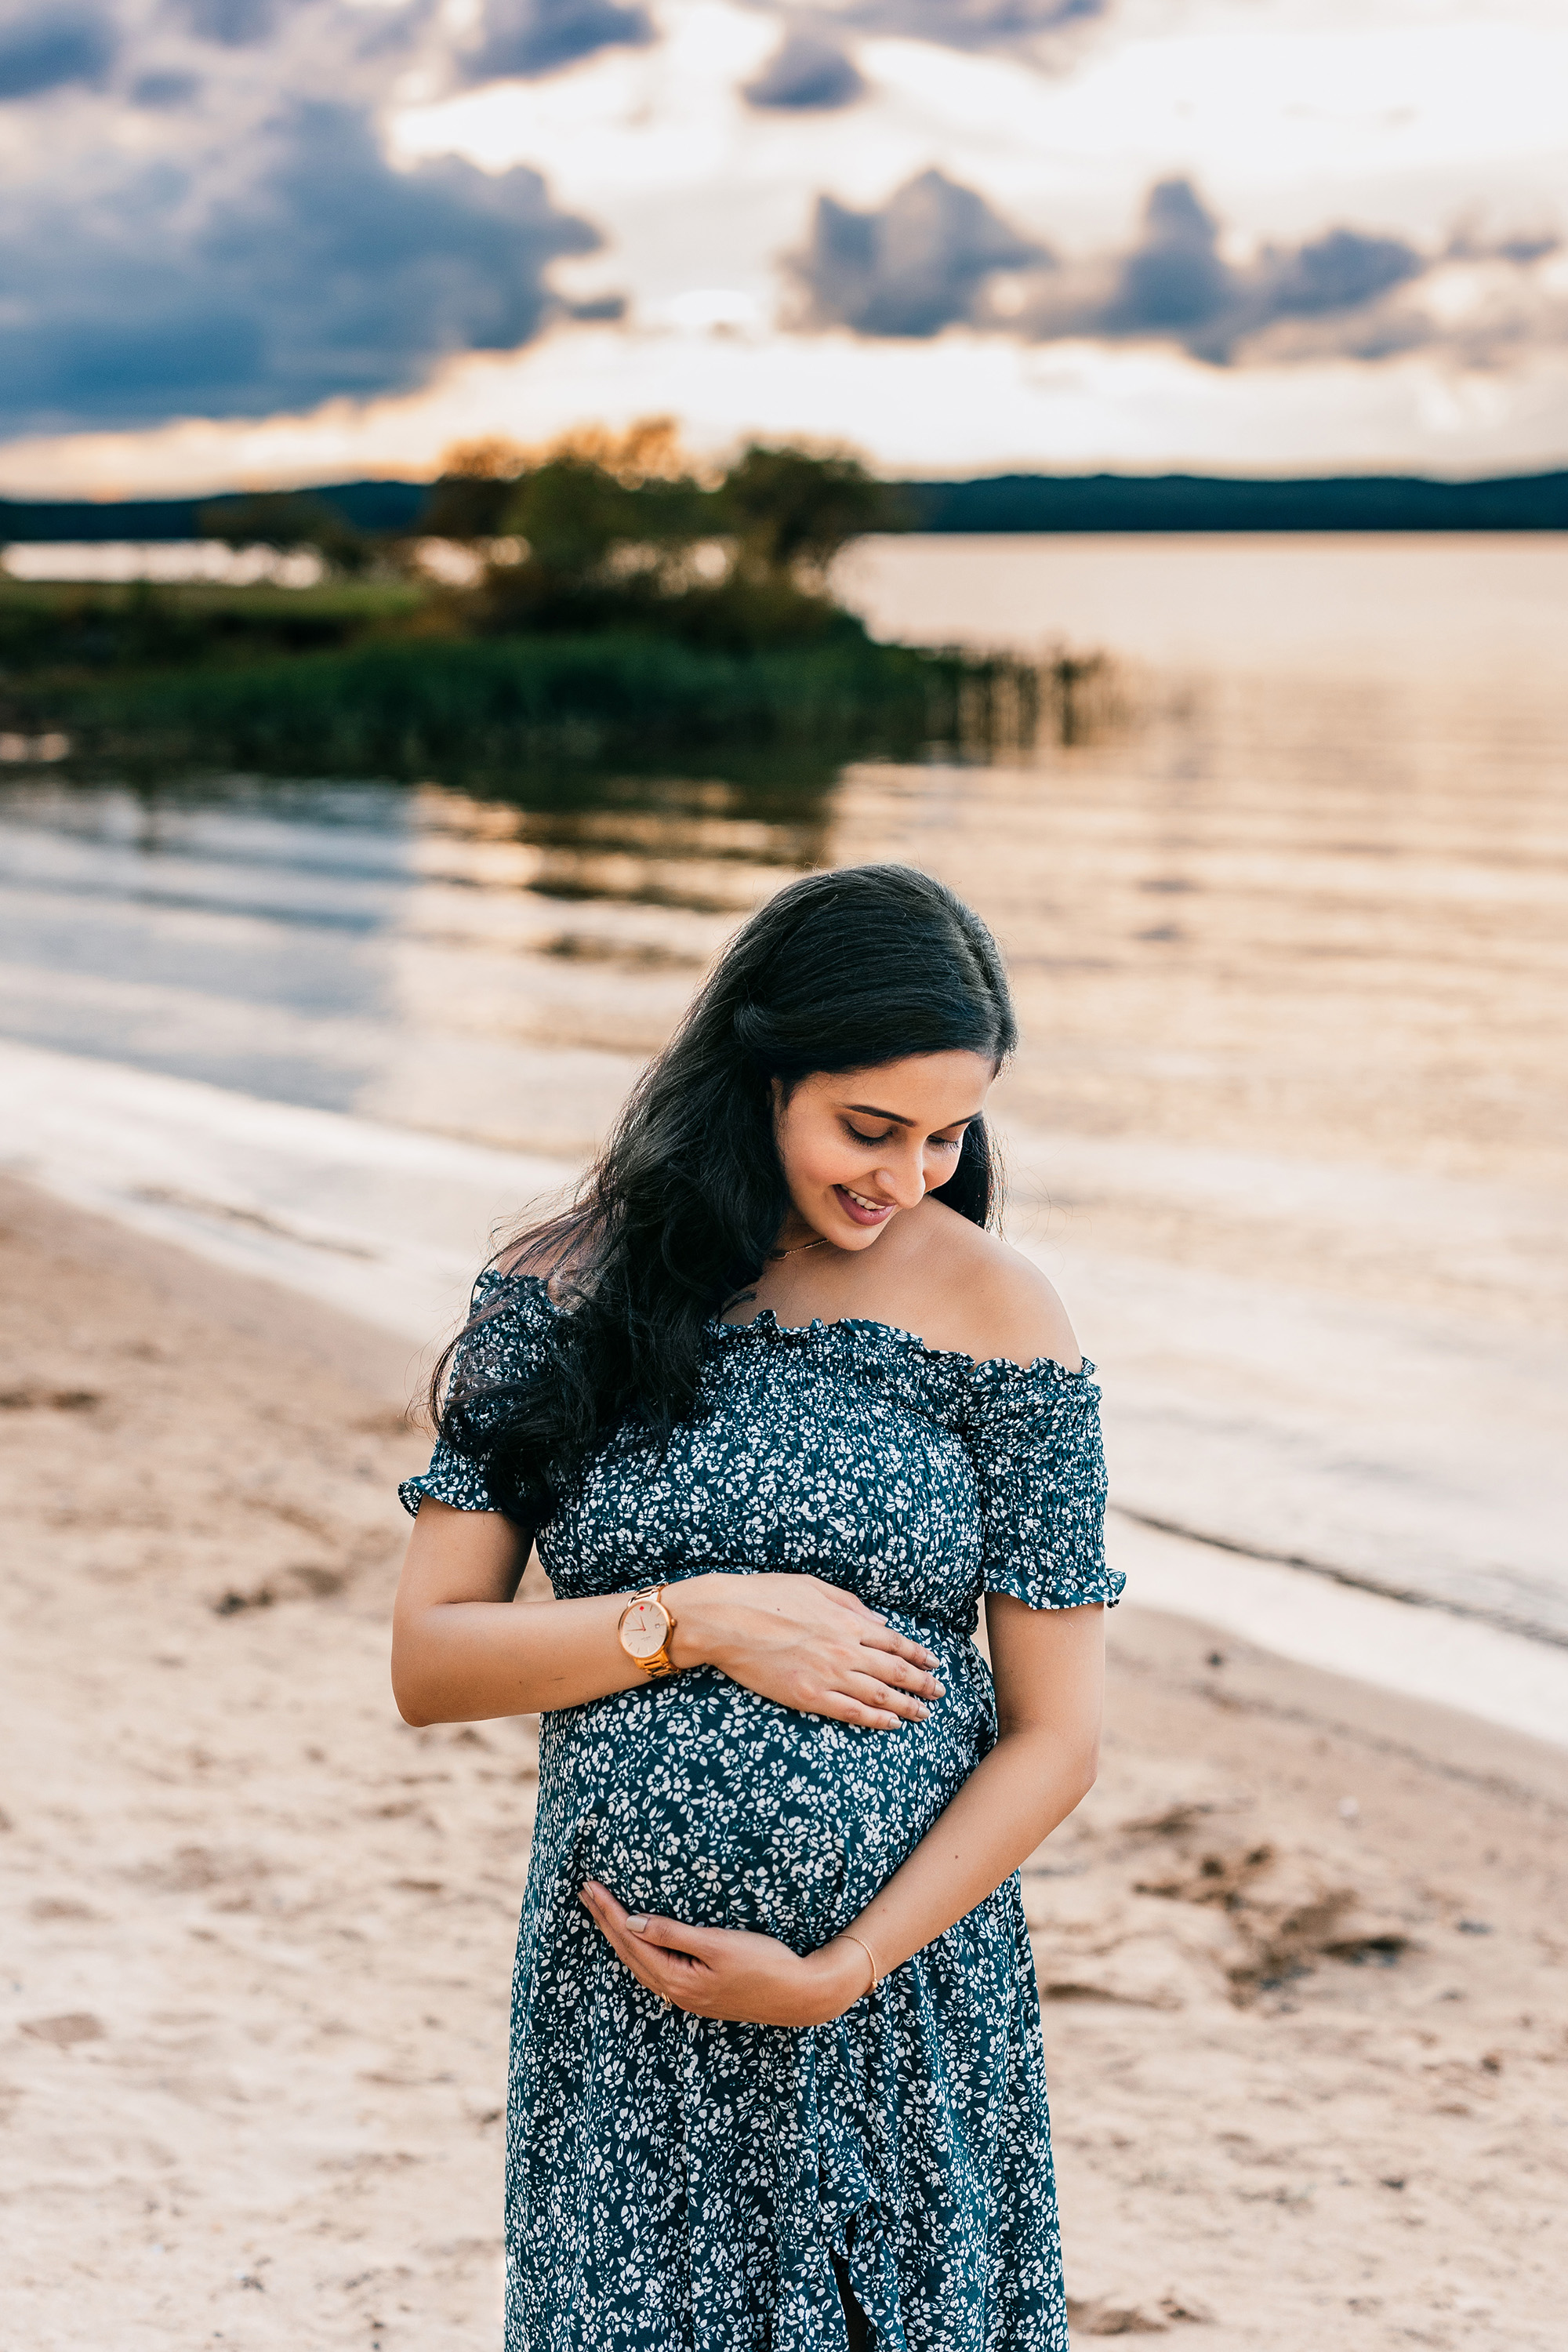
<point>245,241</point>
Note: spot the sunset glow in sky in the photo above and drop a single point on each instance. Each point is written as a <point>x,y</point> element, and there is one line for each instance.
<point>249,241</point>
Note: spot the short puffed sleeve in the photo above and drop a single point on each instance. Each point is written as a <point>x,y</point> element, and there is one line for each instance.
<point>509,1320</point>
<point>1034,1438</point>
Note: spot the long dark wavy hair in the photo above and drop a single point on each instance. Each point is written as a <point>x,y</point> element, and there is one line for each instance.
<point>841,970</point>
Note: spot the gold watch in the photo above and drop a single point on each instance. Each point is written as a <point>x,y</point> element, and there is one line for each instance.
<point>645,1630</point>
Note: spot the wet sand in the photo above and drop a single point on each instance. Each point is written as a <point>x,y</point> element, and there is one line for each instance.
<point>1301,1952</point>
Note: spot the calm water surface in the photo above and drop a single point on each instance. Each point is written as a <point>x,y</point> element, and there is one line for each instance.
<point>1289,935</point>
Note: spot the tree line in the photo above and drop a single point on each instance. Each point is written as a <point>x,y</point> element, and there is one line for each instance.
<point>610,530</point>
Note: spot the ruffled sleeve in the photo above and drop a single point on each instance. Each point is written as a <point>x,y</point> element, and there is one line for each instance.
<point>515,1314</point>
<point>1033,1437</point>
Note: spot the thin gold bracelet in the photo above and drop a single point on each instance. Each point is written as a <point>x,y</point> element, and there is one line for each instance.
<point>870,1955</point>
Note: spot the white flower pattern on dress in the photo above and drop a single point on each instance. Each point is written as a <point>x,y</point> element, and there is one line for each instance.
<point>676,2184</point>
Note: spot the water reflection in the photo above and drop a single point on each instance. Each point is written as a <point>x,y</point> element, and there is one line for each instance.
<point>489,963</point>
<point>1323,923</point>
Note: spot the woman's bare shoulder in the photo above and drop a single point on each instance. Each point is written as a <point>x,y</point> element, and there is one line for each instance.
<point>553,1253</point>
<point>986,1298</point>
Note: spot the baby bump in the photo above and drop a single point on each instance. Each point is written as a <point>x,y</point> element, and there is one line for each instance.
<point>697,1800</point>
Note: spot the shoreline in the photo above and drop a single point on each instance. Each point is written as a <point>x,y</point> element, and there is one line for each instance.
<point>1408,1596</point>
<point>257,2007</point>
<point>1396,1649</point>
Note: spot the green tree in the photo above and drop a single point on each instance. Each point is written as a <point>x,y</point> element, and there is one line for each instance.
<point>470,496</point>
<point>603,506</point>
<point>607,529</point>
<point>790,512</point>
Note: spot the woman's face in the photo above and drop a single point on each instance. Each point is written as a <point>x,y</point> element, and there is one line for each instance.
<point>859,1145</point>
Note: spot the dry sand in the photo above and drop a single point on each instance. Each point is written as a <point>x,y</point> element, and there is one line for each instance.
<point>1302,1951</point>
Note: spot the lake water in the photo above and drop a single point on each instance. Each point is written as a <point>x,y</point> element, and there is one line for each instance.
<point>1290,934</point>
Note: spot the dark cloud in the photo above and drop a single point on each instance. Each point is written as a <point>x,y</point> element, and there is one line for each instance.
<point>50,50</point>
<point>1016,25</point>
<point>806,73</point>
<point>1175,283</point>
<point>1522,247</point>
<point>526,37</point>
<point>252,249</point>
<point>159,91</point>
<point>1338,271</point>
<point>973,23</point>
<point>921,264</point>
<point>307,267</point>
<point>235,23</point>
<point>937,256</point>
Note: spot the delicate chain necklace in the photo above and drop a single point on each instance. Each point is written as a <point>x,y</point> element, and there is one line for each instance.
<point>795,1247</point>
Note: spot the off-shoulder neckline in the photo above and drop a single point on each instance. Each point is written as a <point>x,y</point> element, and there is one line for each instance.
<point>766,1325</point>
<point>767,1320</point>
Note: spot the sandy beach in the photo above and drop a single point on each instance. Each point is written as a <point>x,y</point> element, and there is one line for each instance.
<point>1300,1953</point>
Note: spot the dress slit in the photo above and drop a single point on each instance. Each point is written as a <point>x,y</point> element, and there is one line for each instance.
<point>857,2325</point>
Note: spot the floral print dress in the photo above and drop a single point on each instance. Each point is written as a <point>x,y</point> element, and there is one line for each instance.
<point>680,2184</point>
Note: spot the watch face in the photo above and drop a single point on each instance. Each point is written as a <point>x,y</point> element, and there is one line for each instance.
<point>644,1628</point>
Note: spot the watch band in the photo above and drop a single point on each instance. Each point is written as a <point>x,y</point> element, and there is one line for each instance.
<point>661,1662</point>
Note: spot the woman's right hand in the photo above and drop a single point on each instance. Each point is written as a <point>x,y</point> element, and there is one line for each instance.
<point>804,1643</point>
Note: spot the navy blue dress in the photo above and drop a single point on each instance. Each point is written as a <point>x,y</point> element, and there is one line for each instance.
<point>680,2184</point>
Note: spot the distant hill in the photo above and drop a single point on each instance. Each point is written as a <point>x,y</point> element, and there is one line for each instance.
<point>1000,503</point>
<point>1198,502</point>
<point>369,506</point>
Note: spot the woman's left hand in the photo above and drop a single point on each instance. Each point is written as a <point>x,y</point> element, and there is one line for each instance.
<point>730,1971</point>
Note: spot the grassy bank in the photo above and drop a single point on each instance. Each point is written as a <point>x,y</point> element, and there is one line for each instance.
<point>348,678</point>
<point>398,706</point>
<point>58,635</point>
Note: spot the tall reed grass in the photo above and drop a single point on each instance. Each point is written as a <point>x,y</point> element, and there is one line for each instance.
<point>397,705</point>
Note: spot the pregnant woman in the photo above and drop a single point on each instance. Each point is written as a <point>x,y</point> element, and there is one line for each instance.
<point>778,1409</point>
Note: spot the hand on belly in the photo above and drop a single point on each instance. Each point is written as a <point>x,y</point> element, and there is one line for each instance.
<point>804,1643</point>
<point>731,1972</point>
